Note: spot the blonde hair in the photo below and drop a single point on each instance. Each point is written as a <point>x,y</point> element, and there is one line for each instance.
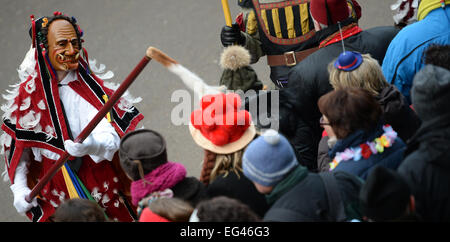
<point>368,76</point>
<point>226,163</point>
<point>229,162</point>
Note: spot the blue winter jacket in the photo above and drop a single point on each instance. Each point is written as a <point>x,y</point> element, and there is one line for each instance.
<point>391,157</point>
<point>403,58</point>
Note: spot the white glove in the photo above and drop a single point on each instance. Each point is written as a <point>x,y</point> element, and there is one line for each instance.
<point>98,149</point>
<point>20,192</point>
<point>88,147</point>
<point>20,189</point>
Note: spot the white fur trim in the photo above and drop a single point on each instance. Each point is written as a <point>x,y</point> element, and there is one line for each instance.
<point>400,14</point>
<point>234,57</point>
<point>27,67</point>
<point>125,105</point>
<point>37,128</point>
<point>107,75</point>
<point>11,94</point>
<point>5,140</point>
<point>8,110</point>
<point>25,104</point>
<point>99,71</point>
<point>194,82</point>
<point>30,86</point>
<point>30,120</point>
<point>41,105</point>
<point>126,101</point>
<point>396,5</point>
<point>49,131</point>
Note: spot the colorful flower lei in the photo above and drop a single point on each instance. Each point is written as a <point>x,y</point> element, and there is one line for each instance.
<point>365,150</point>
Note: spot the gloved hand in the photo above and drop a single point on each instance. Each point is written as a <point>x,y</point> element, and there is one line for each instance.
<point>88,147</point>
<point>100,147</point>
<point>232,35</point>
<point>20,191</point>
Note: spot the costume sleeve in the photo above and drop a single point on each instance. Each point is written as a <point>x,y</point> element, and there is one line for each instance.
<point>306,145</point>
<point>304,86</point>
<point>20,177</point>
<point>19,187</point>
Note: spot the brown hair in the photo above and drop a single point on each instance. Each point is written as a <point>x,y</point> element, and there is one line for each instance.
<point>225,209</point>
<point>368,76</point>
<point>350,109</point>
<point>78,210</point>
<point>173,209</point>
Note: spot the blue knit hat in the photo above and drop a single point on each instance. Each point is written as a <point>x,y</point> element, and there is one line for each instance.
<point>268,159</point>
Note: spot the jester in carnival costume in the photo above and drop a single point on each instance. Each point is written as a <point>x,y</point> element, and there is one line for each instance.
<point>56,98</point>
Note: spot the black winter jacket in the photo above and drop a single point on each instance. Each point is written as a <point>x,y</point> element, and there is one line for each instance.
<point>397,112</point>
<point>191,190</point>
<point>240,188</point>
<point>427,163</point>
<point>427,169</point>
<point>308,201</point>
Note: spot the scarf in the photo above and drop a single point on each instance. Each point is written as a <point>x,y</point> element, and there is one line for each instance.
<point>297,175</point>
<point>164,176</point>
<point>347,31</point>
<point>426,6</point>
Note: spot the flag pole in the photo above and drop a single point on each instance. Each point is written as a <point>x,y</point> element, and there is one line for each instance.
<point>226,13</point>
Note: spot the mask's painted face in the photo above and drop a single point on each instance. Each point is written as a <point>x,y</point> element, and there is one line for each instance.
<point>63,46</point>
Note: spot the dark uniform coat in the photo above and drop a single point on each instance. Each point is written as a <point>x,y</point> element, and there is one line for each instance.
<point>309,201</point>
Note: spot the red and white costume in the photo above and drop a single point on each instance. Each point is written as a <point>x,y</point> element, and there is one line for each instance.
<point>35,130</point>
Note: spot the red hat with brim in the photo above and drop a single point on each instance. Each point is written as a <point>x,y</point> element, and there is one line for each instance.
<point>220,126</point>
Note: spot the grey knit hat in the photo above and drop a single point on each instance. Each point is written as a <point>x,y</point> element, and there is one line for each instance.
<point>430,94</point>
